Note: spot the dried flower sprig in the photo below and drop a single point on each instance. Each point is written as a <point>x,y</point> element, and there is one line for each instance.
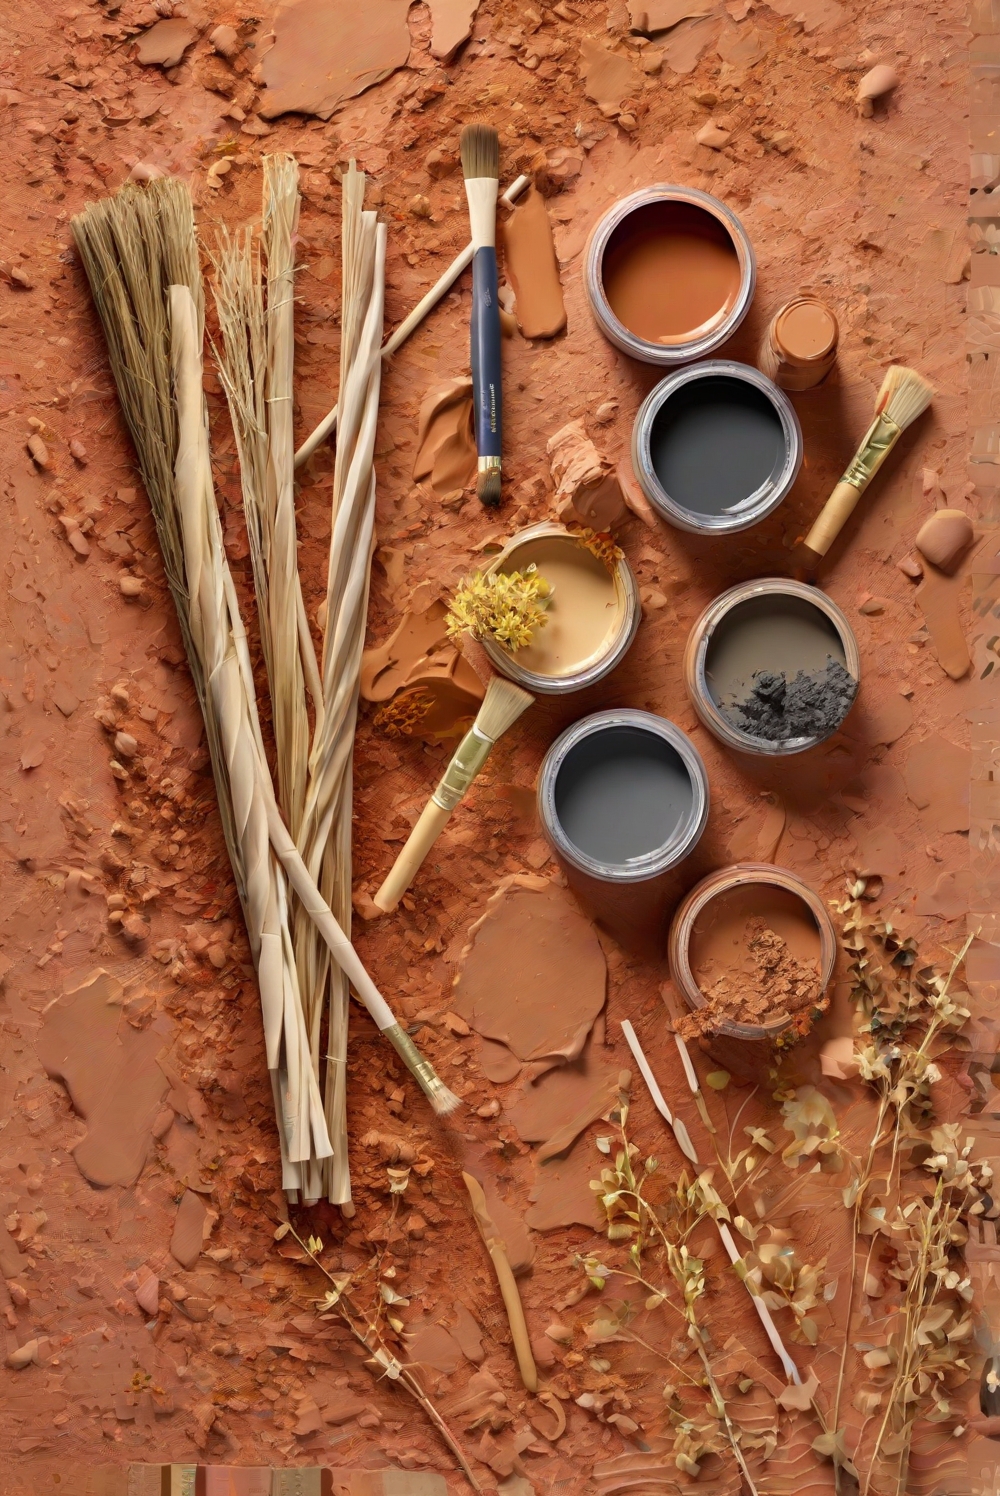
<point>924,1352</point>
<point>600,543</point>
<point>906,1009</point>
<point>508,606</point>
<point>366,1325</point>
<point>657,1235</point>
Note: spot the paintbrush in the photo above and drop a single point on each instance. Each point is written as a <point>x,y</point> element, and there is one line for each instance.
<point>904,396</point>
<point>480,148</point>
<point>502,705</point>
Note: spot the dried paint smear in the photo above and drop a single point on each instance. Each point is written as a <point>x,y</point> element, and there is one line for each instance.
<point>533,976</point>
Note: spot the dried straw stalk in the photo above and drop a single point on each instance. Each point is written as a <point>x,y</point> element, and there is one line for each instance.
<point>325,834</point>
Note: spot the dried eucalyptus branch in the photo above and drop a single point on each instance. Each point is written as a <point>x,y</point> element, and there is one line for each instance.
<point>659,1232</point>
<point>906,1009</point>
<point>365,1326</point>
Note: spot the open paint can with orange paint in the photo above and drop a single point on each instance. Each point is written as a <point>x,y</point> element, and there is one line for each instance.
<point>752,951</point>
<point>670,274</point>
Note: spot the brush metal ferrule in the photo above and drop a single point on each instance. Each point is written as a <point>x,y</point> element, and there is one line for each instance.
<point>469,757</point>
<point>490,464</point>
<point>879,440</point>
<point>422,1070</point>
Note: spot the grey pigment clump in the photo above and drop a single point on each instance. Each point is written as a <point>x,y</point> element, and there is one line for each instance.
<point>812,705</point>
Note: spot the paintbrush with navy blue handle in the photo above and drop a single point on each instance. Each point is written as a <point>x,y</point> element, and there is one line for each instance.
<point>481,169</point>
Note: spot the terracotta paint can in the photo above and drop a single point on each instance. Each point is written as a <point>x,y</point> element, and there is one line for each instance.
<point>623,796</point>
<point>670,273</point>
<point>592,616</point>
<point>716,447</point>
<point>800,345</point>
<point>768,632</point>
<point>706,936</point>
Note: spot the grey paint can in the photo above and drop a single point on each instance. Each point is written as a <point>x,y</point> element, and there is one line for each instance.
<point>623,796</point>
<point>716,447</point>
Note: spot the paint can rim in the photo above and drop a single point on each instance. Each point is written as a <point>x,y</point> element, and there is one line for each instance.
<point>758,505</point>
<point>660,354</point>
<point>687,833</point>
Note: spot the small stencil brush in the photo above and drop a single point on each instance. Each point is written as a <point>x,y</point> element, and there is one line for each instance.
<point>480,147</point>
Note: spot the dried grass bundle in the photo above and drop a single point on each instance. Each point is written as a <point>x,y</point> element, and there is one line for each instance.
<point>325,834</point>
<point>139,252</point>
<point>140,255</point>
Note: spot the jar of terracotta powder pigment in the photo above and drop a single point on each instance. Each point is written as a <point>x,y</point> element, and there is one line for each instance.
<point>772,667</point>
<point>670,274</point>
<point>592,609</point>
<point>752,950</point>
<point>716,447</point>
<point>800,345</point>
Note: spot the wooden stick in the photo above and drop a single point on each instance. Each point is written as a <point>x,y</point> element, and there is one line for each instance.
<point>508,1285</point>
<point>410,323</point>
<point>732,1250</point>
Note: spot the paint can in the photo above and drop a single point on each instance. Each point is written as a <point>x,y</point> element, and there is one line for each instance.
<point>800,346</point>
<point>623,796</point>
<point>670,273</point>
<point>710,921</point>
<point>756,635</point>
<point>592,617</point>
<point>716,447</point>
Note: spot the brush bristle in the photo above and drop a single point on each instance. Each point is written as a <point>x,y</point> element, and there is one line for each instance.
<point>904,395</point>
<point>444,1101</point>
<point>488,489</point>
<point>480,149</point>
<point>503,704</point>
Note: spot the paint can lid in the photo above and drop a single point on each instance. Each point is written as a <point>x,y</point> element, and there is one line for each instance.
<point>804,331</point>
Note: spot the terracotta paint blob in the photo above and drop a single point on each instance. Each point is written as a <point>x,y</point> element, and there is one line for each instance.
<point>670,272</point>
<point>608,77</point>
<point>530,262</point>
<point>586,610</point>
<point>109,1069</point>
<point>189,1229</point>
<point>718,939</point>
<point>939,597</point>
<point>533,976</point>
<point>164,44</point>
<point>446,441</point>
<point>498,1063</point>
<point>419,670</point>
<point>714,443</point>
<point>451,24</point>
<point>561,1194</point>
<point>937,781</point>
<point>621,794</point>
<point>568,1098</point>
<point>323,54</point>
<point>431,1345</point>
<point>782,635</point>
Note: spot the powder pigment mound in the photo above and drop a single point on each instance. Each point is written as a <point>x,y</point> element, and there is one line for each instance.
<point>807,706</point>
<point>533,975</point>
<point>747,972</point>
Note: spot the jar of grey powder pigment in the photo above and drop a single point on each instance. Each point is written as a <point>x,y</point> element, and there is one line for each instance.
<point>772,667</point>
<point>623,796</point>
<point>716,447</point>
<point>670,273</point>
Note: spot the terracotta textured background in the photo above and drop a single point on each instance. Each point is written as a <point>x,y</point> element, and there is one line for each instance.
<point>872,215</point>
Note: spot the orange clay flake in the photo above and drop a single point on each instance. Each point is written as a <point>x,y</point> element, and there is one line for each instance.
<point>770,983</point>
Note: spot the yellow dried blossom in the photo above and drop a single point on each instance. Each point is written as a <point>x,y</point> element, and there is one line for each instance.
<point>507,606</point>
<point>600,544</point>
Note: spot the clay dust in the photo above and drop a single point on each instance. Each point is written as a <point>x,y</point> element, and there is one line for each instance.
<point>245,1375</point>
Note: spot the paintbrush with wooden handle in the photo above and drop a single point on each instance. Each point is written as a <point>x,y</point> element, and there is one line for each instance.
<point>904,396</point>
